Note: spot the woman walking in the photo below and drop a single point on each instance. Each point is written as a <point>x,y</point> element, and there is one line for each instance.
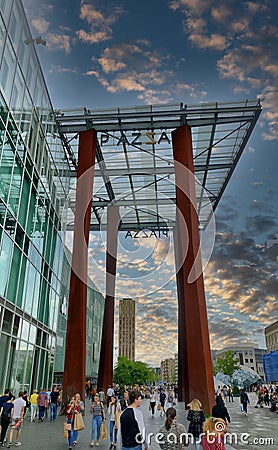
<point>152,401</point>
<point>34,405</point>
<point>196,418</point>
<point>172,434</point>
<point>98,416</point>
<point>72,409</point>
<point>220,410</point>
<point>113,409</point>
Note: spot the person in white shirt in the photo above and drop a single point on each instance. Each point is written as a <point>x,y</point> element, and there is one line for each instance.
<point>114,410</point>
<point>17,419</point>
<point>152,401</point>
<point>109,393</point>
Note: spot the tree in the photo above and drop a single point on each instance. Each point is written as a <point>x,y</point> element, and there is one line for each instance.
<point>226,364</point>
<point>133,372</point>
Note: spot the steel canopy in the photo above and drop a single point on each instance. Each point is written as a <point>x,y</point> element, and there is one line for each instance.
<point>135,165</point>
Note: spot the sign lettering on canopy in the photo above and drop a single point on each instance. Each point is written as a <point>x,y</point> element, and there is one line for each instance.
<point>136,138</point>
<point>148,233</point>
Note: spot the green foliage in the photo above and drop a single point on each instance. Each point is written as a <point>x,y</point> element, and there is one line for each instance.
<point>226,364</point>
<point>133,372</point>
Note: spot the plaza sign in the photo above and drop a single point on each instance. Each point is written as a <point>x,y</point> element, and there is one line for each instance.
<point>148,233</point>
<point>136,138</point>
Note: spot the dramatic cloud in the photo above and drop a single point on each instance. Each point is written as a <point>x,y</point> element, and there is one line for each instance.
<point>242,38</point>
<point>41,25</point>
<point>100,23</point>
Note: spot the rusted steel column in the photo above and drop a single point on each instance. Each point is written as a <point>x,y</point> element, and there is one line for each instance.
<point>75,353</point>
<point>182,350</point>
<point>194,346</point>
<point>105,371</point>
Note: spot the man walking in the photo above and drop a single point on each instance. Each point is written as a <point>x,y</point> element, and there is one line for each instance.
<point>54,398</point>
<point>132,433</point>
<point>17,419</point>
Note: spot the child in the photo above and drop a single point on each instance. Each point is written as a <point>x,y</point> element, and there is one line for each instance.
<point>214,430</point>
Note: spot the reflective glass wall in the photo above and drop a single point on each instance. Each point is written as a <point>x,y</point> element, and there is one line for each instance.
<point>34,186</point>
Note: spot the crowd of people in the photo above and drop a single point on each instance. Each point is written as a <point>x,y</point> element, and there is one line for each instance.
<point>120,413</point>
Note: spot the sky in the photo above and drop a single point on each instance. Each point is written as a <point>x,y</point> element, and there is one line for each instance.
<point>124,53</point>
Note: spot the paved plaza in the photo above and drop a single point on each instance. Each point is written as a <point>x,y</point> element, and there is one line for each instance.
<point>259,424</point>
<point>256,428</point>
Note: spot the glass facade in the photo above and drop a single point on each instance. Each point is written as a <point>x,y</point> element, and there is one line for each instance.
<point>34,186</point>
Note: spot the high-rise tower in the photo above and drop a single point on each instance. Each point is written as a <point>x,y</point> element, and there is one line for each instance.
<point>127,328</point>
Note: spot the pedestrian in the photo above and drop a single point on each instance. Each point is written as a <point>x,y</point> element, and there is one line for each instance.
<point>17,419</point>
<point>132,429</point>
<point>196,418</point>
<point>97,410</point>
<point>5,397</point>
<point>101,395</point>
<point>43,404</point>
<point>54,399</point>
<point>6,412</point>
<point>220,410</point>
<point>152,401</point>
<point>162,399</point>
<point>172,435</point>
<point>109,393</point>
<point>124,401</point>
<point>73,408</point>
<point>244,400</point>
<point>170,398</point>
<point>113,409</point>
<point>230,394</point>
<point>34,405</point>
<point>213,434</point>
<point>27,401</point>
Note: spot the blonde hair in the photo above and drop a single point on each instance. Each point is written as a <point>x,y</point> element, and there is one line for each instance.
<point>195,405</point>
<point>214,426</point>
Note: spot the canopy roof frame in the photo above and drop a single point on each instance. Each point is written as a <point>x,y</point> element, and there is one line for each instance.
<point>136,169</point>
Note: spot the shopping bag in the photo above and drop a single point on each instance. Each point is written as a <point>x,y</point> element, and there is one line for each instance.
<point>103,432</point>
<point>117,419</point>
<point>67,428</point>
<point>158,407</point>
<point>17,424</point>
<point>78,422</point>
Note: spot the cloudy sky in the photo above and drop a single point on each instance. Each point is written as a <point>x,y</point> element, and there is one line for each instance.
<point>125,53</point>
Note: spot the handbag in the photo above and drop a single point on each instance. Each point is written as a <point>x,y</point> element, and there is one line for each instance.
<point>103,432</point>
<point>78,422</point>
<point>158,407</point>
<point>117,419</point>
<point>67,428</point>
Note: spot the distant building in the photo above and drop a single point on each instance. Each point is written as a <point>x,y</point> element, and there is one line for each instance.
<point>127,328</point>
<point>168,371</point>
<point>248,356</point>
<point>176,369</point>
<point>270,363</point>
<point>271,337</point>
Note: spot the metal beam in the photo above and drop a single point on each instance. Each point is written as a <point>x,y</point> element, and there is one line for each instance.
<point>65,125</point>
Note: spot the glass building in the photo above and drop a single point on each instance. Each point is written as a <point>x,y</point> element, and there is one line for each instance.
<point>34,187</point>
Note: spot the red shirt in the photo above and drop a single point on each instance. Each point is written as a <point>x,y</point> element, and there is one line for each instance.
<point>70,410</point>
<point>217,445</point>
